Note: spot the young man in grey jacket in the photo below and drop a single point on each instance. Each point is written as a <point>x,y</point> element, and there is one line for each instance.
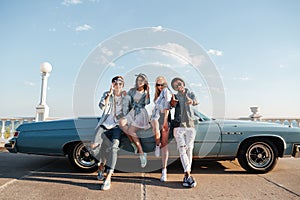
<point>184,131</point>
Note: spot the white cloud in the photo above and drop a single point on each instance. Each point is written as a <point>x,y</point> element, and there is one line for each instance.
<point>158,29</point>
<point>113,65</point>
<point>181,54</point>
<point>81,44</point>
<point>76,2</point>
<point>215,52</point>
<point>71,2</point>
<point>29,83</point>
<point>101,60</point>
<point>84,27</point>
<point>281,66</point>
<point>242,78</point>
<point>106,52</point>
<point>161,64</point>
<point>196,85</point>
<point>52,29</point>
<point>120,67</point>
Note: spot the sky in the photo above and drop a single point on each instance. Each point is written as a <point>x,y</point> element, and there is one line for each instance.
<point>254,45</point>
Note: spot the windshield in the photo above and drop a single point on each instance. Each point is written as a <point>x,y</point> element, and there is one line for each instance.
<point>201,116</point>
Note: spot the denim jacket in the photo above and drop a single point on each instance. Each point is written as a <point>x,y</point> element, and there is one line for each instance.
<point>140,104</point>
<point>179,109</point>
<point>126,106</point>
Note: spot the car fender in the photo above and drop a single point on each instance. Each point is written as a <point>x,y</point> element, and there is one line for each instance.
<point>263,136</point>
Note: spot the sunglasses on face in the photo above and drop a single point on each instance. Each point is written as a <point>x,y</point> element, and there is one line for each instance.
<point>157,84</point>
<point>178,85</point>
<point>118,83</point>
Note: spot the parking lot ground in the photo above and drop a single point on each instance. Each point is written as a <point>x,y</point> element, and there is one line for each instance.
<point>42,177</point>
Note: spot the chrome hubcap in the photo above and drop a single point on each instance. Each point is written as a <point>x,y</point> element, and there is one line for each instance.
<point>260,155</point>
<point>83,156</point>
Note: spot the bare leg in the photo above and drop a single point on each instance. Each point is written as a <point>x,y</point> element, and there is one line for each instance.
<point>187,174</point>
<point>156,132</point>
<point>132,132</point>
<point>124,127</point>
<point>164,148</point>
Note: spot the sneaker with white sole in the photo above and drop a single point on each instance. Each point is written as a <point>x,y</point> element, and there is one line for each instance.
<point>157,150</point>
<point>189,182</point>
<point>105,185</point>
<point>163,177</point>
<point>143,159</point>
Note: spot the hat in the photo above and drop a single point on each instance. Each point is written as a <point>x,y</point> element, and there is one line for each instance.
<point>174,80</point>
<point>117,78</point>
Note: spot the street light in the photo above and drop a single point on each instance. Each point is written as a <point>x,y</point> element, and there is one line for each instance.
<point>46,67</point>
<point>42,109</point>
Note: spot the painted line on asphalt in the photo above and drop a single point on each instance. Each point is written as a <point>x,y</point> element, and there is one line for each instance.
<point>2,187</point>
<point>26,175</point>
<point>143,187</point>
<point>281,186</point>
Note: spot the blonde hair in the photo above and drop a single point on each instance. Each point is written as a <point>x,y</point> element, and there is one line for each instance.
<point>157,91</point>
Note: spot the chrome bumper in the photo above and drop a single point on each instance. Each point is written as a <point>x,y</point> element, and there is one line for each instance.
<point>296,151</point>
<point>11,146</point>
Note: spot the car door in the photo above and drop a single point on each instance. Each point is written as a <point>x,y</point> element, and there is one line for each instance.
<point>208,139</point>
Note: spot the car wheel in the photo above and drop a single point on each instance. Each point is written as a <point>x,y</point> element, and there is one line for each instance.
<point>81,158</point>
<point>258,156</point>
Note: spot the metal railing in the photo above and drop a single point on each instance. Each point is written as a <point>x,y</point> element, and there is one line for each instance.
<point>293,122</point>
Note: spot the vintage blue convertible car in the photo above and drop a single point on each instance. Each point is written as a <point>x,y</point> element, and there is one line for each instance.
<point>256,145</point>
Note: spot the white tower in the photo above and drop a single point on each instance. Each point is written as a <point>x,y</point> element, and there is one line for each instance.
<point>42,110</point>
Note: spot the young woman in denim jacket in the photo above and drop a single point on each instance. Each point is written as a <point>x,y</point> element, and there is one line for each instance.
<point>115,105</point>
<point>160,123</point>
<point>138,117</point>
<point>185,132</point>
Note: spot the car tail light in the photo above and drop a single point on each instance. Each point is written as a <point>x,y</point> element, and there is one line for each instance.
<point>16,134</point>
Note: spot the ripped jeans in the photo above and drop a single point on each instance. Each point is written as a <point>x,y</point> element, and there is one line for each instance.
<point>108,141</point>
<point>185,138</point>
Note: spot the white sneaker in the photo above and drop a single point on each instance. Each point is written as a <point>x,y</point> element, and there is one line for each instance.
<point>143,159</point>
<point>163,177</point>
<point>157,150</point>
<point>105,185</point>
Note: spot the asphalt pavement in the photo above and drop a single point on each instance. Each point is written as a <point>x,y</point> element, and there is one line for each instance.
<point>42,177</point>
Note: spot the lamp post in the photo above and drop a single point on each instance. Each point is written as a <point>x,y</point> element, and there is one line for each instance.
<point>255,116</point>
<point>42,110</point>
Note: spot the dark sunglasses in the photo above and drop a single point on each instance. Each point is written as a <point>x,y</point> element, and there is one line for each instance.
<point>159,84</point>
<point>118,83</point>
<point>177,85</point>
